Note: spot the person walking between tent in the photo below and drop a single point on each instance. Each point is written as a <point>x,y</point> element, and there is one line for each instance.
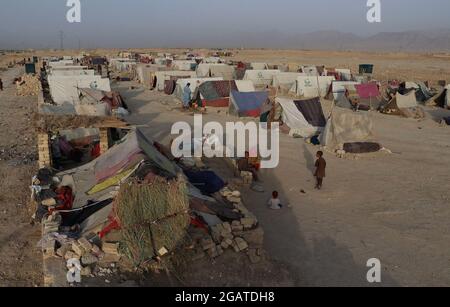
<point>187,96</point>
<point>321,164</point>
<point>1,85</point>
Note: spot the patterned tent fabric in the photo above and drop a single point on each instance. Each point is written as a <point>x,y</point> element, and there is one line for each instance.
<point>212,90</point>
<point>312,111</point>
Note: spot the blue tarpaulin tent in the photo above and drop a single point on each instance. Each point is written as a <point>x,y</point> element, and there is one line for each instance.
<point>247,104</point>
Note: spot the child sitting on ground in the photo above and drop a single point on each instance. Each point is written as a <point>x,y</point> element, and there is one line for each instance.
<point>274,202</point>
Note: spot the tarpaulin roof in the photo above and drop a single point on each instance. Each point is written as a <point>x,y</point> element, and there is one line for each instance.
<point>212,90</point>
<point>368,90</point>
<point>295,120</point>
<point>247,104</point>
<point>312,111</point>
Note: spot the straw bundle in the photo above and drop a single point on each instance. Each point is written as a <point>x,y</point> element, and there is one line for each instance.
<point>152,216</point>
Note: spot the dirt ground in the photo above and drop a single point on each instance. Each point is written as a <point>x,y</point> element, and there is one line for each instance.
<point>20,261</point>
<point>394,207</point>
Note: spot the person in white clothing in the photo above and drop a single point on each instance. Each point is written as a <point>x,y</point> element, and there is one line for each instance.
<point>274,202</point>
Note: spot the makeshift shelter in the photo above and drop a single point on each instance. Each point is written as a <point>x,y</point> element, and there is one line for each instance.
<point>247,104</point>
<point>404,105</point>
<point>337,90</point>
<point>215,93</point>
<point>145,73</point>
<point>194,84</point>
<point>441,99</point>
<point>346,127</point>
<point>286,80</point>
<point>261,78</point>
<point>245,85</point>
<point>160,77</point>
<point>345,74</point>
<point>226,72</point>
<point>184,65</point>
<point>367,96</point>
<point>305,118</point>
<point>65,89</point>
<point>310,86</point>
<point>215,70</point>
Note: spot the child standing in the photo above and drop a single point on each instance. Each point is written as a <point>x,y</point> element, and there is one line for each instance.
<point>321,165</point>
<point>274,202</point>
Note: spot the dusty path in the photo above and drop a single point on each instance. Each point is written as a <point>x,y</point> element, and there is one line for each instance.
<point>20,260</point>
<point>392,207</point>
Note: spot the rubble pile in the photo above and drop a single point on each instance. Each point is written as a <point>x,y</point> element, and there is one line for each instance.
<point>81,255</point>
<point>242,235</point>
<point>28,85</point>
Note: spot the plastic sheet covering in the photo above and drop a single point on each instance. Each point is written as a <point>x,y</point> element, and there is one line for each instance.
<point>345,126</point>
<point>295,120</point>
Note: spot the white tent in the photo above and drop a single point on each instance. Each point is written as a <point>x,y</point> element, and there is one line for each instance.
<point>64,89</point>
<point>207,70</point>
<point>313,86</point>
<point>261,77</point>
<point>224,71</point>
<point>295,120</point>
<point>346,74</point>
<point>310,70</point>
<point>285,80</point>
<point>79,72</point>
<point>145,73</point>
<point>245,86</point>
<point>163,76</point>
<point>338,88</point>
<point>183,64</point>
<point>61,63</point>
<point>406,101</point>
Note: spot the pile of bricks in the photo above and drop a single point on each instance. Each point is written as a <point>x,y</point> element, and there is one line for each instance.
<point>242,235</point>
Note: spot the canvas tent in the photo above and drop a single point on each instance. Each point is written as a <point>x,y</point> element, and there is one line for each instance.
<point>345,74</point>
<point>145,73</point>
<point>162,76</point>
<point>249,104</point>
<point>345,126</point>
<point>184,65</point>
<point>215,70</point>
<point>337,90</point>
<point>310,86</point>
<point>65,89</point>
<point>245,85</point>
<point>286,80</point>
<point>303,117</point>
<point>261,78</point>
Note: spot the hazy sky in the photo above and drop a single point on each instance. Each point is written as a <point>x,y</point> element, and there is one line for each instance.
<point>184,23</point>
